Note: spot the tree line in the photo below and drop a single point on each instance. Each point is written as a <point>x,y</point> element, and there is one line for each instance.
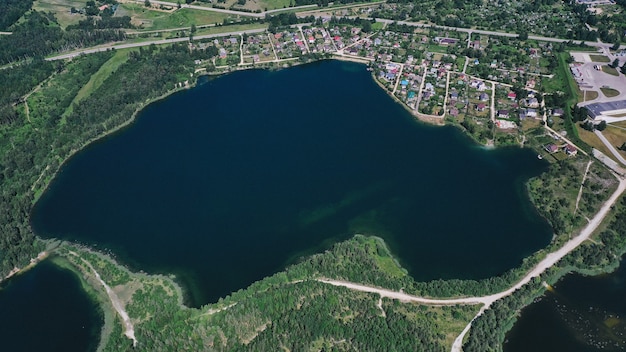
<point>40,34</point>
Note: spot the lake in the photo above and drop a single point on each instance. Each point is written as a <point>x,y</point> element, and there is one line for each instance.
<point>581,314</point>
<point>46,309</point>
<point>233,180</point>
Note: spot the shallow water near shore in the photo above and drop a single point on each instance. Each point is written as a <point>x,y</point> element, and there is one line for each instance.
<point>231,181</point>
<point>45,309</point>
<point>581,314</point>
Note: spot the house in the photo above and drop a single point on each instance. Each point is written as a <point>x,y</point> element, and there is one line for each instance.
<point>483,97</point>
<point>551,148</point>
<point>531,113</point>
<point>570,150</point>
<point>504,114</point>
<point>532,102</point>
<point>481,107</point>
<point>454,112</point>
<point>557,112</point>
<point>512,95</point>
<point>454,95</point>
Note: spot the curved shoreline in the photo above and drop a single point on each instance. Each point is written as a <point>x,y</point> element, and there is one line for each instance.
<point>127,123</point>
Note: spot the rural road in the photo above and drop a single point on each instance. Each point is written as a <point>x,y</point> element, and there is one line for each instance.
<point>129,329</point>
<point>610,146</point>
<point>549,261</point>
<point>156,42</point>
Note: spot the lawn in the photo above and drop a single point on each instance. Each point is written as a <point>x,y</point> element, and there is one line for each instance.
<point>599,58</point>
<point>610,70</point>
<point>609,92</point>
<point>590,95</point>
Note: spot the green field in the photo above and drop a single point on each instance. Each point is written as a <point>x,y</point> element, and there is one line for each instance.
<point>145,18</point>
<point>609,92</point>
<point>599,58</point>
<point>609,70</point>
<point>61,10</point>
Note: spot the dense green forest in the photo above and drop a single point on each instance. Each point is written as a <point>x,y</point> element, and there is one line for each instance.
<point>11,11</point>
<point>287,310</point>
<point>39,34</point>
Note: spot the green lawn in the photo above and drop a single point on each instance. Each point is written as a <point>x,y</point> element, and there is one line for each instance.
<point>610,92</point>
<point>610,70</point>
<point>599,58</point>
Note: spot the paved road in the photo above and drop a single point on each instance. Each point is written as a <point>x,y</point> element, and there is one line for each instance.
<point>486,32</point>
<point>608,144</point>
<point>156,42</point>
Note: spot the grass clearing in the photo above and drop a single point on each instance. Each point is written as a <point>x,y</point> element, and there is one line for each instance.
<point>590,95</point>
<point>96,80</point>
<point>599,58</point>
<point>265,5</point>
<point>61,10</point>
<point>230,28</point>
<point>610,92</point>
<point>609,70</point>
<point>591,139</point>
<point>157,19</point>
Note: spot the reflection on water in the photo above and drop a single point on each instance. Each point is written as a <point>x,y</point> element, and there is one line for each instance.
<point>583,314</point>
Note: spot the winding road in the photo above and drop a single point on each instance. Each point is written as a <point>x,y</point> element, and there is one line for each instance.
<point>549,261</point>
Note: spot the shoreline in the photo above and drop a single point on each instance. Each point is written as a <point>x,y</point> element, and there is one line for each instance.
<point>132,119</point>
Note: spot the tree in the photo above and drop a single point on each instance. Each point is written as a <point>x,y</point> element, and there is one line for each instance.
<point>523,35</point>
<point>601,126</point>
<point>615,63</point>
<point>193,28</point>
<point>616,45</point>
<point>366,26</point>
<point>147,3</point>
<point>623,69</point>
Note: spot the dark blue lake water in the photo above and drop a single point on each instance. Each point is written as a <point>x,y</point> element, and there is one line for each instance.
<point>231,181</point>
<point>581,314</point>
<point>45,309</point>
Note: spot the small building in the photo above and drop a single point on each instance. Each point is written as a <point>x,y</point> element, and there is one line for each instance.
<point>481,107</point>
<point>551,148</point>
<point>512,95</point>
<point>557,112</point>
<point>504,114</point>
<point>483,97</point>
<point>570,150</point>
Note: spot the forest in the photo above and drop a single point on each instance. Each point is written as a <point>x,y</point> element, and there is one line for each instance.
<point>11,11</point>
<point>37,136</point>
<point>39,35</point>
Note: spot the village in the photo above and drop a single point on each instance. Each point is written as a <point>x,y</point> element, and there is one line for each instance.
<point>427,72</point>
